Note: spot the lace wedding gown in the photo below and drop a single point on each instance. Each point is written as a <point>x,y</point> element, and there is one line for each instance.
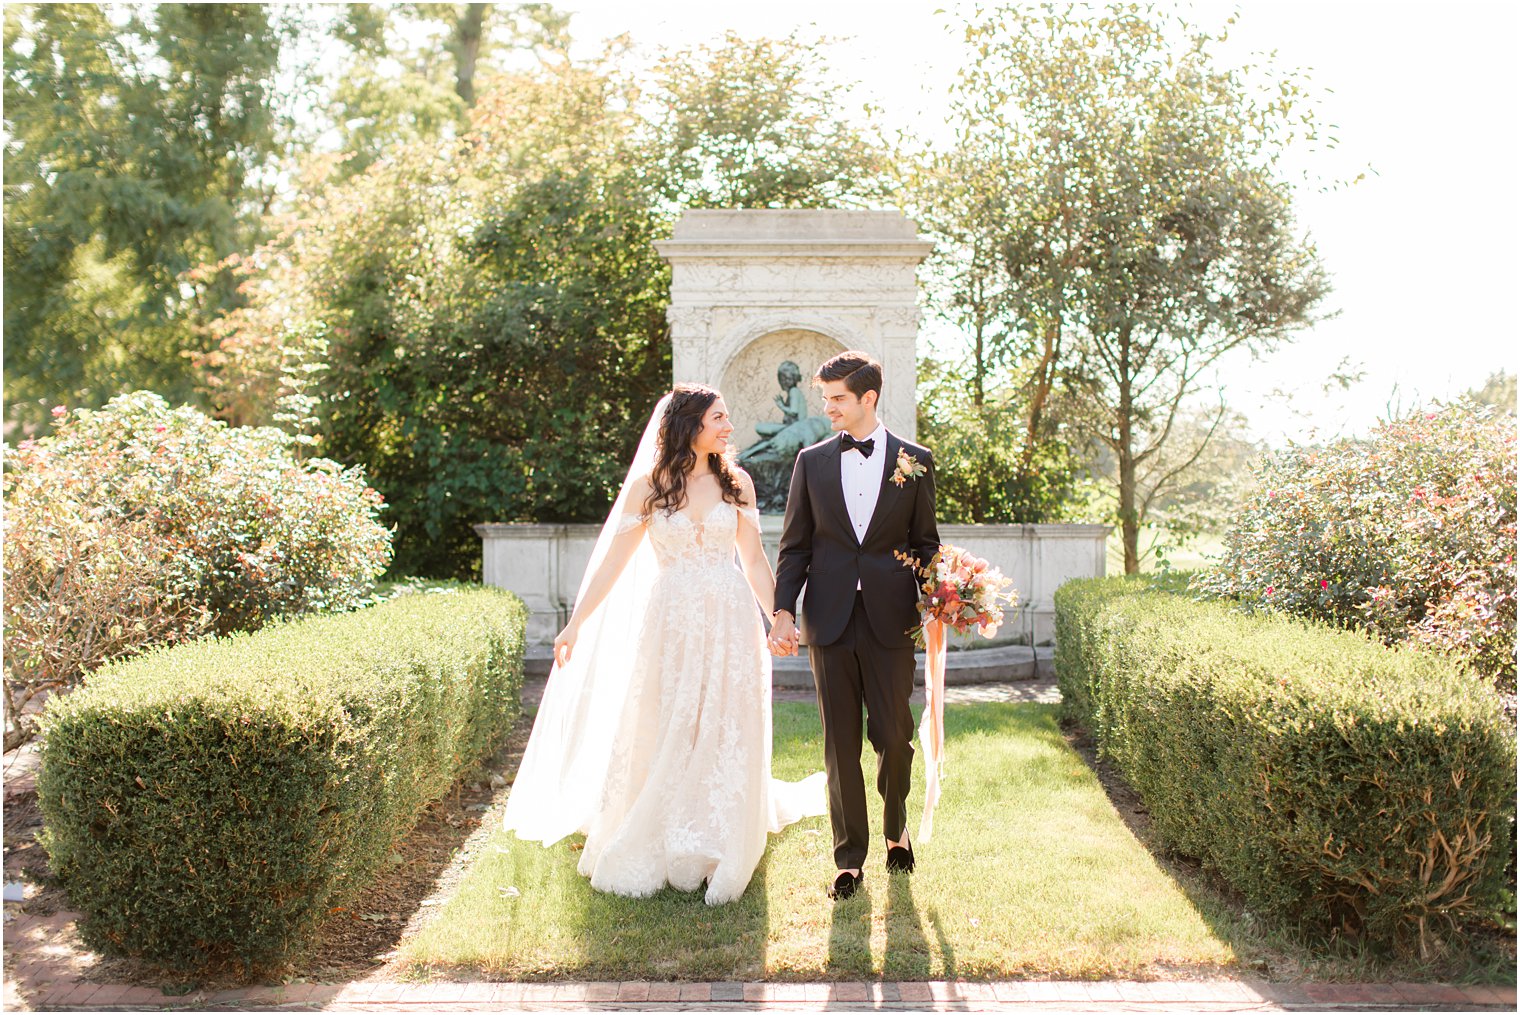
<point>689,795</point>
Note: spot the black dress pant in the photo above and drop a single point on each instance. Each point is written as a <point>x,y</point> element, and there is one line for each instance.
<point>853,671</point>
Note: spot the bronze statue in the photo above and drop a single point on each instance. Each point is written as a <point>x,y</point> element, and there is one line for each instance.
<point>769,460</point>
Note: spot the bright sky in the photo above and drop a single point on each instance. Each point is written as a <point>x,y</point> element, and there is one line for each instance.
<point>1424,255</point>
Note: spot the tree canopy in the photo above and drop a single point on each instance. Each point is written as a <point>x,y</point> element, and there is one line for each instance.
<point>431,254</point>
<point>137,140</point>
<point>1115,225</point>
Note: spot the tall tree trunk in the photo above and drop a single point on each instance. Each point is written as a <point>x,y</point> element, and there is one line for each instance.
<point>1044,380</point>
<point>1129,519</point>
<point>979,390</point>
<point>467,34</point>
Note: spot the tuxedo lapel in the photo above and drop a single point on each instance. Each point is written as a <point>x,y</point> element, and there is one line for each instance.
<point>889,490</point>
<point>833,485</point>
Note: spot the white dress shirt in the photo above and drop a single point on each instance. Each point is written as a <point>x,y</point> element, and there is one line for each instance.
<point>861,479</point>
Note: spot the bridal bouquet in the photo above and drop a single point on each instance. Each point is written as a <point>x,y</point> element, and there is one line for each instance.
<point>961,591</point>
<point>957,590</point>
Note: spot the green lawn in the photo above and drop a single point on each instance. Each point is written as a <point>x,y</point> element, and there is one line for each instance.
<point>1031,874</point>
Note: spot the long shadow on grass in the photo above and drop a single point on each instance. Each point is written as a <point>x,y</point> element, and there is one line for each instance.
<point>850,935</point>
<point>672,933</point>
<point>907,951</point>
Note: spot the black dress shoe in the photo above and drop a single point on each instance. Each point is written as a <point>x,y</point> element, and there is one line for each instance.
<point>845,884</point>
<point>900,858</point>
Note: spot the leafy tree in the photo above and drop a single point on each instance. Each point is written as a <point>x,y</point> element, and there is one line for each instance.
<point>978,453</point>
<point>1013,460</point>
<point>494,313</point>
<point>1498,391</point>
<point>756,124</point>
<point>137,144</point>
<point>394,91</point>
<point>1114,204</point>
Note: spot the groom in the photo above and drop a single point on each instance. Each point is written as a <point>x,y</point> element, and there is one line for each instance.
<point>855,500</point>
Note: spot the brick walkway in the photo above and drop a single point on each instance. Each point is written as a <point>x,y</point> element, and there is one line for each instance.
<point>638,995</point>
<point>46,969</point>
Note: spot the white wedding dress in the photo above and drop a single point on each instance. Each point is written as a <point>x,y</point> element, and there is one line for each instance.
<point>689,796</point>
<point>654,737</point>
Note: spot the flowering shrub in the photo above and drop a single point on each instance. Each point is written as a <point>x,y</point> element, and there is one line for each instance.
<point>1409,534</point>
<point>140,524</point>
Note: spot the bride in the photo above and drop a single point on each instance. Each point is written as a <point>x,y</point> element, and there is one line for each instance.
<point>654,734</point>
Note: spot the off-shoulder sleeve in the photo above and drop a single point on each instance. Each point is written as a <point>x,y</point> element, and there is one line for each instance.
<point>629,522</point>
<point>751,515</point>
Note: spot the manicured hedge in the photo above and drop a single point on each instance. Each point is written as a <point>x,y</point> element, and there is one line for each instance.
<point>1346,787</point>
<point>211,802</point>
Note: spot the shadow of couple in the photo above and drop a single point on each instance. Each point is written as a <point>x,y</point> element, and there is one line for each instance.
<point>906,954</point>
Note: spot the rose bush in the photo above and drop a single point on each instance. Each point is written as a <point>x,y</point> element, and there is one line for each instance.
<point>142,524</point>
<point>1408,533</point>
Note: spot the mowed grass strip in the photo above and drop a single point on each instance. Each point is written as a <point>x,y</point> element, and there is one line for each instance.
<point>1031,873</point>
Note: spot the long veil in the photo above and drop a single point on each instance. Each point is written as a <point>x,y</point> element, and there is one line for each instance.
<point>559,783</point>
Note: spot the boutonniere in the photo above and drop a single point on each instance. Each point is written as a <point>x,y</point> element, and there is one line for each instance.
<point>908,468</point>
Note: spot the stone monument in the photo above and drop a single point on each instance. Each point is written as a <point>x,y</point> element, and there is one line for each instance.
<point>759,298</point>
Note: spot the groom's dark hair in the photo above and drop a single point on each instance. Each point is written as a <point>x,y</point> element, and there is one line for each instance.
<point>859,372</point>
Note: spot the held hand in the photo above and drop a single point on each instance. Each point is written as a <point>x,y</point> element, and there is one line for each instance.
<point>564,642</point>
<point>783,639</point>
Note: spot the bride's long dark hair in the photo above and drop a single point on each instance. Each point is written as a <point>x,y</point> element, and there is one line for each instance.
<point>674,457</point>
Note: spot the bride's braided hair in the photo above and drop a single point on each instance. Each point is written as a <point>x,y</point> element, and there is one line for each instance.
<point>674,457</point>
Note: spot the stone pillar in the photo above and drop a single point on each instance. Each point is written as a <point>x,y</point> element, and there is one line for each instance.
<point>525,559</point>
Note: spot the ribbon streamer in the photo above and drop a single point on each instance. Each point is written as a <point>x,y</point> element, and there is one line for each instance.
<point>931,728</point>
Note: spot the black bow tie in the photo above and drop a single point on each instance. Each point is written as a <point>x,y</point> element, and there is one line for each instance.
<point>865,447</point>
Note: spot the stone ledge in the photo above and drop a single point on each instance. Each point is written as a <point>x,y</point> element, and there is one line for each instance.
<point>972,666</point>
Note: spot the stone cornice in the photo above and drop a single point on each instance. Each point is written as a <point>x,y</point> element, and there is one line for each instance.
<point>710,250</point>
<point>519,530</point>
<point>1043,530</point>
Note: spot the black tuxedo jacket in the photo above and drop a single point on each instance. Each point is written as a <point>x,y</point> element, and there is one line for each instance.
<point>819,548</point>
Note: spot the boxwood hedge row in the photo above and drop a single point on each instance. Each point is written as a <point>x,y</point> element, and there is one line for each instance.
<point>1342,786</point>
<point>211,802</point>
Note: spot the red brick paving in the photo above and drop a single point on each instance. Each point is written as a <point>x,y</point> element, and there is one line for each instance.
<point>848,992</point>
<point>665,992</point>
<point>915,993</point>
<point>1201,995</point>
<point>1492,995</point>
<point>633,991</point>
<point>602,991</point>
